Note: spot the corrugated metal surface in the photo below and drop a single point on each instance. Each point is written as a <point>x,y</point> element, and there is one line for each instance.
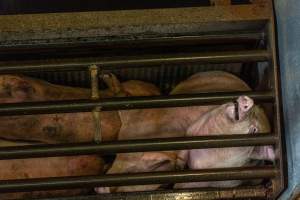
<point>165,77</point>
<point>288,25</point>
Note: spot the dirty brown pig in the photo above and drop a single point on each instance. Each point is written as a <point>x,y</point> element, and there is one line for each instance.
<point>45,168</point>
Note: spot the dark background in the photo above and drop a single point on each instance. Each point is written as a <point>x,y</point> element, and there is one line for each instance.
<point>46,6</point>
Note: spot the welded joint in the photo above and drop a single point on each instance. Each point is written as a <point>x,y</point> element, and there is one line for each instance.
<point>94,82</point>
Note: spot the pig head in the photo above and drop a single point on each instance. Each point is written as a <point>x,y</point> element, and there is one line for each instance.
<point>242,117</point>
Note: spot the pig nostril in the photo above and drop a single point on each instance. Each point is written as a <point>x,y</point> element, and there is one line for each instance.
<point>255,130</point>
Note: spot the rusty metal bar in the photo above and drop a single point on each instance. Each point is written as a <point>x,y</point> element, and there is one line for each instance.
<point>55,25</point>
<point>145,145</point>
<point>125,103</point>
<point>95,96</point>
<point>242,173</point>
<point>133,61</point>
<point>254,193</point>
<point>279,183</point>
<point>143,40</point>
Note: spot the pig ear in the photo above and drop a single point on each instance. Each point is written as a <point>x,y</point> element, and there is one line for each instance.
<point>245,104</point>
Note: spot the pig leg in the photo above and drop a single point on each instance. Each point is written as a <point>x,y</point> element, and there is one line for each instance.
<point>151,162</point>
<point>113,84</point>
<point>123,163</point>
<point>139,162</point>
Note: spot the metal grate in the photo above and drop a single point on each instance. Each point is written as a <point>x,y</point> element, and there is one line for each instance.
<point>156,67</point>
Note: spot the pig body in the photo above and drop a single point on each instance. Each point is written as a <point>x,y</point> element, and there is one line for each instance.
<point>47,167</point>
<point>123,125</point>
<point>176,122</point>
<point>173,122</point>
<point>57,128</point>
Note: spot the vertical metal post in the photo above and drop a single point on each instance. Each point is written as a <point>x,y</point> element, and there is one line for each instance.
<point>279,182</point>
<point>95,96</point>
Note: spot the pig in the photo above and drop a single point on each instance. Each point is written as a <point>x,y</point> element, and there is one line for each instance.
<point>122,125</point>
<point>223,120</point>
<point>47,167</point>
<point>62,128</point>
<point>57,128</point>
<point>181,121</point>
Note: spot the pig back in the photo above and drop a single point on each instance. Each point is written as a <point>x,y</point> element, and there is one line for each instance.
<point>212,81</point>
<point>57,128</point>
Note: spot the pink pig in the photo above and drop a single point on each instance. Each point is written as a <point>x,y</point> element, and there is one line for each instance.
<point>240,118</point>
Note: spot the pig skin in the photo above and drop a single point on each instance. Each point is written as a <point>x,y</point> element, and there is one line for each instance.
<point>47,167</point>
<point>226,157</point>
<point>174,122</point>
<point>214,122</point>
<point>169,122</point>
<point>57,128</point>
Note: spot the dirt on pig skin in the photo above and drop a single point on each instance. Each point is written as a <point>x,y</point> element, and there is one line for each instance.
<point>46,168</point>
<point>175,122</point>
<point>58,128</point>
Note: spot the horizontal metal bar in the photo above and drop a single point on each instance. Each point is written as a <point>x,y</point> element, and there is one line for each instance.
<point>130,61</point>
<point>145,145</point>
<point>138,179</point>
<point>142,40</point>
<point>126,103</point>
<point>254,193</point>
